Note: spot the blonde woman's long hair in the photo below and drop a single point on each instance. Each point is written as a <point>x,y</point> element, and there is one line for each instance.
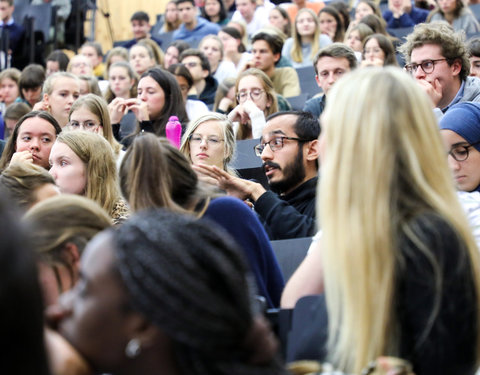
<point>297,39</point>
<point>98,157</point>
<point>384,165</point>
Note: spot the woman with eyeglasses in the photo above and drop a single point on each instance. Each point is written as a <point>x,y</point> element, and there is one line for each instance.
<point>210,140</point>
<point>378,50</point>
<point>256,99</point>
<point>90,113</point>
<point>396,260</point>
<point>460,130</point>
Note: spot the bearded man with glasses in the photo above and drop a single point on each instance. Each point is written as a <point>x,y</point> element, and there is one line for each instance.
<point>437,58</point>
<point>289,152</point>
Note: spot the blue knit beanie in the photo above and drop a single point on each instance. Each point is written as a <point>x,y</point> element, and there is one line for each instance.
<point>464,119</point>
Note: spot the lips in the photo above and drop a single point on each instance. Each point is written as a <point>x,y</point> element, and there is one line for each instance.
<point>202,155</point>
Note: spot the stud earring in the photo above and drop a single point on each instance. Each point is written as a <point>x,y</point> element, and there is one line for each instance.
<point>133,348</point>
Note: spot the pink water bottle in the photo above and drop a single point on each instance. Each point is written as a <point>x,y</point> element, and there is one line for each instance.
<point>174,131</point>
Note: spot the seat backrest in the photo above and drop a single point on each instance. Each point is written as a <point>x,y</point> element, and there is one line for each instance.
<point>290,254</point>
<point>247,164</point>
<point>308,335</point>
<point>298,102</point>
<point>308,84</point>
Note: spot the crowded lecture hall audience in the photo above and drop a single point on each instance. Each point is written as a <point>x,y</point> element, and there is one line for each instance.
<point>241,187</point>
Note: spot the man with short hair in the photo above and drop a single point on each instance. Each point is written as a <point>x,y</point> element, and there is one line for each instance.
<point>93,50</point>
<point>331,63</point>
<point>266,52</point>
<point>254,17</point>
<point>199,67</point>
<point>474,56</point>
<point>141,27</point>
<point>7,23</point>
<point>437,58</point>
<point>193,27</point>
<point>289,151</point>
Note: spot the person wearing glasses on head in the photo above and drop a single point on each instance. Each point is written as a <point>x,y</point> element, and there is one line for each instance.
<point>289,151</point>
<point>256,99</point>
<point>437,58</point>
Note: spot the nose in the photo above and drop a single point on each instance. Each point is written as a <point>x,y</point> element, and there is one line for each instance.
<point>267,153</point>
<point>143,96</point>
<point>453,164</point>
<point>34,144</point>
<point>419,73</point>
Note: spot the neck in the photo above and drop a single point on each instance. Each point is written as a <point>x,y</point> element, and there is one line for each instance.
<point>270,71</point>
<point>307,178</point>
<point>248,18</point>
<point>214,18</point>
<point>214,67</point>
<point>307,39</point>
<point>199,86</point>
<point>448,96</point>
<point>233,56</point>
<point>449,17</point>
<point>191,25</point>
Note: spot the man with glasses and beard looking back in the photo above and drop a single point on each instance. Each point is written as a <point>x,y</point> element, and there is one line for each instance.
<point>289,151</point>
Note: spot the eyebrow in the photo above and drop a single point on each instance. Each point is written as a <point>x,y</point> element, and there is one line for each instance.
<point>463,143</point>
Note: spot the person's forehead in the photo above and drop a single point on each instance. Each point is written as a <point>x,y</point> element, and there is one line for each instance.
<point>192,58</point>
<point>328,62</point>
<point>280,124</point>
<point>185,5</point>
<point>426,52</point>
<point>261,44</point>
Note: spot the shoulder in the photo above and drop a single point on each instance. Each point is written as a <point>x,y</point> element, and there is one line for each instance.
<point>120,212</point>
<point>229,203</point>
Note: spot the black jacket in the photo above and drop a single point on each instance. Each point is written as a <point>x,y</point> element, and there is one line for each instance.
<point>291,215</point>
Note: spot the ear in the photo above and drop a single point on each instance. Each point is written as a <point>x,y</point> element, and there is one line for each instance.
<point>205,73</point>
<point>318,81</point>
<point>276,57</point>
<point>45,99</point>
<point>313,150</point>
<point>148,334</point>
<point>71,255</point>
<point>456,67</point>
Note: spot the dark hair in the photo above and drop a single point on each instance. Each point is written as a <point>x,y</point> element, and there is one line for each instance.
<point>196,52</point>
<point>386,46</point>
<point>22,325</point>
<point>140,16</point>
<point>288,27</point>
<point>274,41</point>
<point>234,33</point>
<point>222,13</point>
<point>306,126</point>
<point>178,2</point>
<point>16,110</point>
<point>342,8</point>
<point>336,50</point>
<point>182,273</point>
<point>174,104</point>
<point>97,46</point>
<point>376,23</point>
<point>180,45</point>
<point>12,141</point>
<point>182,71</point>
<point>473,46</point>
<point>60,57</point>
<point>32,77</point>
<point>340,30</point>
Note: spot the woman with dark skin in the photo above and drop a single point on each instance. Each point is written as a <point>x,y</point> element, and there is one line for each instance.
<point>149,301</point>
